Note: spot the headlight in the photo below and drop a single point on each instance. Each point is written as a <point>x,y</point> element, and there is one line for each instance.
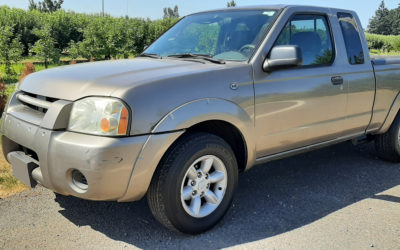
<point>99,116</point>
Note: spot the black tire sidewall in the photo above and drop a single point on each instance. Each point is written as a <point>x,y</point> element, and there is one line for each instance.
<point>180,163</point>
<point>395,135</point>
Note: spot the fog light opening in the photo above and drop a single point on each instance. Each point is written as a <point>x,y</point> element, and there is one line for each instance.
<point>79,180</point>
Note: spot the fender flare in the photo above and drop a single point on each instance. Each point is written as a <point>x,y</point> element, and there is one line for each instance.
<point>173,125</point>
<point>394,109</point>
<point>208,109</point>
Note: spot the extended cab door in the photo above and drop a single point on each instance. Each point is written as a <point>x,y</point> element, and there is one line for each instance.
<point>357,71</point>
<point>297,107</point>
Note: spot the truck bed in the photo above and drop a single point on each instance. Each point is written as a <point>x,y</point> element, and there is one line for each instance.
<point>387,79</point>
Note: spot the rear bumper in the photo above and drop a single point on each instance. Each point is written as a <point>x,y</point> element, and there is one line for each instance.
<point>115,168</point>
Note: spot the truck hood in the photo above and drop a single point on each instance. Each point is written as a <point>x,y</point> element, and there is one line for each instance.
<point>104,78</point>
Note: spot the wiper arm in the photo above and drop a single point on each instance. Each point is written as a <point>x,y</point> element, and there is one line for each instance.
<point>151,55</point>
<point>200,56</point>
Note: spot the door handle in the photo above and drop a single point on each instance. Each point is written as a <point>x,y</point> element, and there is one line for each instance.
<point>337,80</point>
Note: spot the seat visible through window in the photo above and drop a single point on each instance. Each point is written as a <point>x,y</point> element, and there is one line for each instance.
<point>312,34</point>
<point>309,43</point>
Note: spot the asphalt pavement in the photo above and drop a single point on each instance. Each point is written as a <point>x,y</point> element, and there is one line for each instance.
<point>341,197</point>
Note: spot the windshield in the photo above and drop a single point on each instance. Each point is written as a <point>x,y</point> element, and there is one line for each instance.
<point>226,35</point>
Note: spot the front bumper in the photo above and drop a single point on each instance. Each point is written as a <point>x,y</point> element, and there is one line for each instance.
<point>115,168</point>
<point>106,163</point>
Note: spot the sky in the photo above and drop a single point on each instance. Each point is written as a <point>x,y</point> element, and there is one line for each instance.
<point>154,8</point>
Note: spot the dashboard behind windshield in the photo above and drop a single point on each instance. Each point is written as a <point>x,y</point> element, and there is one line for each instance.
<point>226,35</point>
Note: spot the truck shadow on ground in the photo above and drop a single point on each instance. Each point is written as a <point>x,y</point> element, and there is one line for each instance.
<point>271,199</point>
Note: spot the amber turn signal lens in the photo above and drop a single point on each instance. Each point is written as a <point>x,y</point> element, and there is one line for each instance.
<point>123,122</point>
<point>105,125</point>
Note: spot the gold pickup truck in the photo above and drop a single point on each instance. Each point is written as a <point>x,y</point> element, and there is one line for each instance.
<point>219,92</point>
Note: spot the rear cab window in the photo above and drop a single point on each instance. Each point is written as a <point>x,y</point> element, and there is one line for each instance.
<point>352,39</point>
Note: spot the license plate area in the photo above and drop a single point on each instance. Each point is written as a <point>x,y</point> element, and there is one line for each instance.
<point>22,166</point>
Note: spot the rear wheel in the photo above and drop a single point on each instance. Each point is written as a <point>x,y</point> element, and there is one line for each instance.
<point>194,184</point>
<point>388,144</point>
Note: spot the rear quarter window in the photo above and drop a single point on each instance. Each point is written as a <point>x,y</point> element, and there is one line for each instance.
<point>352,40</point>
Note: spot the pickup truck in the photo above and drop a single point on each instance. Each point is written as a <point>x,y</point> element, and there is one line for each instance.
<point>218,93</point>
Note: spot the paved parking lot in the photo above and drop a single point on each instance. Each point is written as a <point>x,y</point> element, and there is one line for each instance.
<point>341,197</point>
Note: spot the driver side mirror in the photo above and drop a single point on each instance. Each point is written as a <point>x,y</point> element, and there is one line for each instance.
<point>283,56</point>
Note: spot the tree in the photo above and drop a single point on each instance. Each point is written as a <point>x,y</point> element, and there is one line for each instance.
<point>171,13</point>
<point>44,47</point>
<point>382,21</point>
<point>46,5</point>
<point>396,21</point>
<point>231,4</point>
<point>10,47</point>
<point>104,38</point>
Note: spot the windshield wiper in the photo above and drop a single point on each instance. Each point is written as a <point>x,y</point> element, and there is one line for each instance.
<point>151,55</point>
<point>199,56</point>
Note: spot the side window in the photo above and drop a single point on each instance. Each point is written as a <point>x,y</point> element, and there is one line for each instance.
<point>312,34</point>
<point>352,38</point>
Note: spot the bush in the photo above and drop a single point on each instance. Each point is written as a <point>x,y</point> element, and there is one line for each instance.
<point>82,34</point>
<point>382,42</point>
<point>10,47</point>
<point>397,45</point>
<point>44,47</point>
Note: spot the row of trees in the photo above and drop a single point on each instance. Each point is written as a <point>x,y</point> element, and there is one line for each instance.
<point>385,21</point>
<point>46,5</point>
<point>50,34</point>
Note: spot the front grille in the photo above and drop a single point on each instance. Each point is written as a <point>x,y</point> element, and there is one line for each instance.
<point>35,102</point>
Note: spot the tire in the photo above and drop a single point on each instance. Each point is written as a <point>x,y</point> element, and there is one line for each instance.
<point>388,144</point>
<point>168,195</point>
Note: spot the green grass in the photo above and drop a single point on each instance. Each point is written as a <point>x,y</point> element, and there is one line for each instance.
<point>383,45</point>
<point>376,52</point>
<point>18,68</point>
<point>9,185</point>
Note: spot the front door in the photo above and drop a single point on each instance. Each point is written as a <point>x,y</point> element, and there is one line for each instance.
<point>306,105</point>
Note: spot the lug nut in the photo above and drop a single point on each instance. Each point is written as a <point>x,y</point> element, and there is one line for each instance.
<point>199,175</point>
<point>193,183</point>
<point>194,192</point>
<point>206,176</point>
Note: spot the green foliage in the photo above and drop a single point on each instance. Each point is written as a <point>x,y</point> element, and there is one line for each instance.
<point>82,35</point>
<point>231,4</point>
<point>385,21</point>
<point>44,47</point>
<point>325,58</point>
<point>383,43</point>
<point>46,5</point>
<point>18,69</point>
<point>10,47</point>
<point>203,36</point>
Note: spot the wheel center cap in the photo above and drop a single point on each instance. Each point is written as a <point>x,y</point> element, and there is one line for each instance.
<point>202,185</point>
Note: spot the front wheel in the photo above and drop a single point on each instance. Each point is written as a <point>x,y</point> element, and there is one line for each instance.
<point>194,184</point>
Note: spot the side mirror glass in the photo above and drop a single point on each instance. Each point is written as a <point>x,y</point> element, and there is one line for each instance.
<point>283,56</point>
